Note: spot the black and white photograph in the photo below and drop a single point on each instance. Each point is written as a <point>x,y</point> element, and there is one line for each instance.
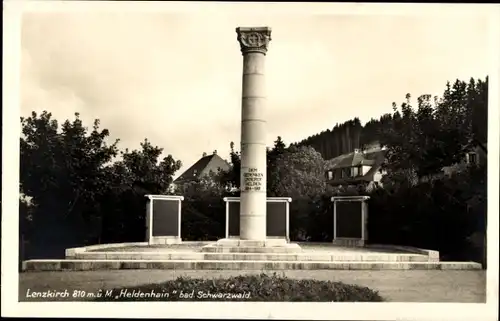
<point>250,160</point>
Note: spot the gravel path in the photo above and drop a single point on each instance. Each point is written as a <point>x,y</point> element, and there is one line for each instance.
<point>395,286</point>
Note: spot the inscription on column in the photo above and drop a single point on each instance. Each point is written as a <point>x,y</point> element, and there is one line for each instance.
<point>252,180</point>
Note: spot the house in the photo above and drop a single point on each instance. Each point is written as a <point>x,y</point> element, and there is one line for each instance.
<point>364,166</point>
<point>358,167</point>
<point>478,156</point>
<point>205,165</point>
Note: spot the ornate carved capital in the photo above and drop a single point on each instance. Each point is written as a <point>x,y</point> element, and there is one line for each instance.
<point>254,39</point>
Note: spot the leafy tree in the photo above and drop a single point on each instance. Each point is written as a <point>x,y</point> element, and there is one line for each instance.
<point>343,138</point>
<point>78,193</point>
<point>231,179</point>
<point>203,209</point>
<point>139,172</point>
<point>142,168</point>
<point>62,173</point>
<point>301,173</point>
<point>301,177</point>
<point>478,102</point>
<point>437,134</point>
<point>272,167</point>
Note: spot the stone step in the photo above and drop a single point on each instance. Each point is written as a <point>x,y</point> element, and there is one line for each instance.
<point>88,265</point>
<point>256,249</point>
<point>182,256</point>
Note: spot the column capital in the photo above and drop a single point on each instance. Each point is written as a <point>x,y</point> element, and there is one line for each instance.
<point>254,39</point>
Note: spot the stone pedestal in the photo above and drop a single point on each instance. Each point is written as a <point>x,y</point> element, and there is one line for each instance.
<point>254,43</point>
<point>163,219</point>
<point>235,245</point>
<point>350,217</point>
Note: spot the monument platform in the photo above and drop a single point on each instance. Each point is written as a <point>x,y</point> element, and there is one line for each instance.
<point>236,245</point>
<point>213,256</point>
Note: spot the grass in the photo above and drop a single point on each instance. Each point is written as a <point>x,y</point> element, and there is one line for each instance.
<point>393,285</point>
<point>262,287</point>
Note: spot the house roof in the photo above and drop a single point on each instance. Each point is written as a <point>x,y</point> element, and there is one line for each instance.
<point>373,157</point>
<point>355,159</point>
<point>202,167</point>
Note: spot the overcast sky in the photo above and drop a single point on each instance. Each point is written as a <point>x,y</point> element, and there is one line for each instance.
<point>176,78</point>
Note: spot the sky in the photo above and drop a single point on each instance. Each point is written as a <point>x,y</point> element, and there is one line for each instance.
<point>175,77</point>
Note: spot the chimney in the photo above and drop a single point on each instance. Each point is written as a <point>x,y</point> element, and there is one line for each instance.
<point>204,154</point>
<point>215,152</point>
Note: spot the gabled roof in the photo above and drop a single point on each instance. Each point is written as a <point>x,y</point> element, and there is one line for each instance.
<point>350,160</point>
<point>357,158</point>
<point>202,167</point>
<point>373,157</point>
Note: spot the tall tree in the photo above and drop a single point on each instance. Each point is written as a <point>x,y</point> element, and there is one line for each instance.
<point>273,155</point>
<point>301,173</point>
<point>437,134</point>
<point>231,178</point>
<point>62,173</point>
<point>75,186</point>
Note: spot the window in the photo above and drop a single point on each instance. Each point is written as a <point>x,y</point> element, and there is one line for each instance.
<point>355,171</point>
<point>473,158</point>
<point>346,172</point>
<point>330,175</point>
<point>194,172</point>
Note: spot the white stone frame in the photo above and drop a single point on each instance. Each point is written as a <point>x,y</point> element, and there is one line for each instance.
<point>286,200</point>
<point>149,220</point>
<point>364,215</point>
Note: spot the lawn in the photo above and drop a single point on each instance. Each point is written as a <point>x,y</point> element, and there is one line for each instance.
<point>394,286</point>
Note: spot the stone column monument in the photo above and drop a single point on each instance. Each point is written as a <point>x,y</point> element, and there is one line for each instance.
<point>254,44</point>
<point>252,214</point>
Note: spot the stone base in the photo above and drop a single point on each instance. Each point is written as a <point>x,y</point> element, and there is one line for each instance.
<point>164,240</point>
<point>349,242</point>
<point>236,245</point>
<point>92,265</point>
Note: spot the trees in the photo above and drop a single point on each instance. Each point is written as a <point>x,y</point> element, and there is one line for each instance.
<point>462,108</point>
<point>301,173</point>
<point>231,178</point>
<point>273,155</point>
<point>343,138</point>
<point>437,134</point>
<point>296,172</point>
<point>139,172</point>
<point>203,209</point>
<point>61,171</point>
<point>441,214</point>
<point>78,191</point>
<point>141,169</point>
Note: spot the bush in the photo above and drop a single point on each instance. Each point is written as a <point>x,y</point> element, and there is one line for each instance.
<point>440,215</point>
<point>247,288</point>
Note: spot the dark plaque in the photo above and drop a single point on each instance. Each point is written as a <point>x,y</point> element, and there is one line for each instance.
<point>234,218</point>
<point>276,219</point>
<point>348,224</point>
<point>165,217</point>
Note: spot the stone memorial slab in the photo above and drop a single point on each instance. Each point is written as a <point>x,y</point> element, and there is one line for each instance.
<point>163,219</point>
<point>350,214</point>
<point>277,218</point>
